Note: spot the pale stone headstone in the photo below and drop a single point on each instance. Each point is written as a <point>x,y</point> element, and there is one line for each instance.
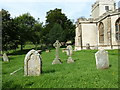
<point>70,60</point>
<point>47,50</point>
<point>5,58</point>
<point>87,46</point>
<point>69,51</point>
<point>102,61</point>
<point>57,59</point>
<point>33,63</point>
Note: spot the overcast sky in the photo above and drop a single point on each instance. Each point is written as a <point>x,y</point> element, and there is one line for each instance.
<point>73,9</point>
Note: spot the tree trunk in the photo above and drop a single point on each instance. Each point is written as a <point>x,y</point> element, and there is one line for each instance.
<point>21,47</point>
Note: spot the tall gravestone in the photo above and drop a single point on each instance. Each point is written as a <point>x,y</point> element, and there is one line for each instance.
<point>57,59</point>
<point>102,61</point>
<point>5,58</point>
<point>32,63</point>
<point>69,51</point>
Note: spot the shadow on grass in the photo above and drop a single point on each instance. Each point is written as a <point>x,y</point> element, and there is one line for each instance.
<point>76,60</point>
<point>10,84</point>
<point>48,71</point>
<point>19,52</point>
<point>29,84</point>
<point>25,51</point>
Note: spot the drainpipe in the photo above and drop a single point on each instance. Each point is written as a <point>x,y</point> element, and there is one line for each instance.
<point>81,36</point>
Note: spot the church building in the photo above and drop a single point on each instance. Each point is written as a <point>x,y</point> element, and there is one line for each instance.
<point>102,30</point>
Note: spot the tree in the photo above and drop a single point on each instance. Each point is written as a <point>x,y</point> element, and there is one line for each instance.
<point>56,16</point>
<point>37,36</point>
<point>56,33</point>
<point>9,33</point>
<point>25,24</point>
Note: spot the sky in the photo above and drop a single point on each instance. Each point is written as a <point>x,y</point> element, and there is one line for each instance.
<point>73,9</point>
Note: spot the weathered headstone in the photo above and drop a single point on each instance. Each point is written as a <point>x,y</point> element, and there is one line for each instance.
<point>5,58</point>
<point>33,63</point>
<point>87,46</point>
<point>102,61</point>
<point>47,50</point>
<point>69,51</point>
<point>57,59</point>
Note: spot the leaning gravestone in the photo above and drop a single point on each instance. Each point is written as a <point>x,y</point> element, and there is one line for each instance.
<point>57,59</point>
<point>33,63</point>
<point>69,51</point>
<point>102,61</point>
<point>5,58</point>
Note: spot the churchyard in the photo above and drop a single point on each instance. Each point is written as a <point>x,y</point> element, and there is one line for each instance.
<point>60,52</point>
<point>82,73</point>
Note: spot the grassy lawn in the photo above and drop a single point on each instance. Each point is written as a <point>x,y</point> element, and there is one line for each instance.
<point>80,74</point>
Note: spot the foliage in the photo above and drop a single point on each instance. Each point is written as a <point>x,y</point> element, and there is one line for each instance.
<point>56,16</point>
<point>25,24</point>
<point>24,28</point>
<point>9,32</point>
<point>36,34</point>
<point>56,33</point>
<point>80,74</point>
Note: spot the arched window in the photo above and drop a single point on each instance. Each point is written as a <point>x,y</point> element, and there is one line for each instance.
<point>117,25</point>
<point>101,33</point>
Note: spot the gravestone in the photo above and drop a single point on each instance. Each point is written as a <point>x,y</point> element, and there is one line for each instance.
<point>102,61</point>
<point>32,63</point>
<point>87,46</point>
<point>95,47</point>
<point>57,59</point>
<point>5,58</point>
<point>47,50</point>
<point>69,51</point>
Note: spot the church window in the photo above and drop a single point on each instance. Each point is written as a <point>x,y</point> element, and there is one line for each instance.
<point>117,24</point>
<point>106,8</point>
<point>101,33</point>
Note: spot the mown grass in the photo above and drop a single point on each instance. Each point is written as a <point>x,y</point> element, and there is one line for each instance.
<point>80,74</point>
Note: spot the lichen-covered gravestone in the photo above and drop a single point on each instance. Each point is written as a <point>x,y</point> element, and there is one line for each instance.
<point>69,51</point>
<point>5,58</point>
<point>102,61</point>
<point>57,59</point>
<point>32,63</point>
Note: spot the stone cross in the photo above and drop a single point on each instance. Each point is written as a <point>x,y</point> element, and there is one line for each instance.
<point>32,63</point>
<point>57,59</point>
<point>69,53</point>
<point>5,58</point>
<point>102,61</point>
